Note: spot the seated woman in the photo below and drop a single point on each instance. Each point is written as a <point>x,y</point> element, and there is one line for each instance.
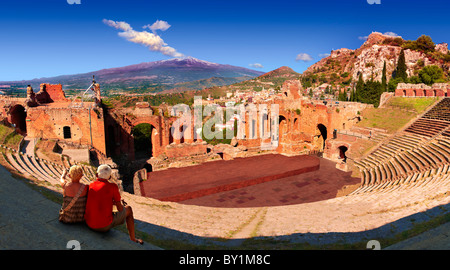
<point>75,196</point>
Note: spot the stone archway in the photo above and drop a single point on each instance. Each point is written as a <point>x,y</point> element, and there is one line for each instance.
<point>18,115</point>
<point>323,135</point>
<point>342,150</point>
<point>159,134</point>
<point>143,140</point>
<point>282,123</point>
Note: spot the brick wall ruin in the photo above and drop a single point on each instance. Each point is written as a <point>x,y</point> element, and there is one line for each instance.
<point>422,90</point>
<point>303,126</point>
<point>79,125</point>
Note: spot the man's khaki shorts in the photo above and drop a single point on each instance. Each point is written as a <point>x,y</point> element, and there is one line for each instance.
<point>118,219</point>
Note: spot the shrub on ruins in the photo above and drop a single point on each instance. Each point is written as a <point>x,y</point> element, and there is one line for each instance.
<point>415,80</point>
<point>431,74</point>
<point>392,84</point>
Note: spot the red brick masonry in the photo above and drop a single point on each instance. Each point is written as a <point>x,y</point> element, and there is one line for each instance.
<point>180,184</point>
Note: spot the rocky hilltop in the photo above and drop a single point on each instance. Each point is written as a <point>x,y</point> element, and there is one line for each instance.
<point>344,65</point>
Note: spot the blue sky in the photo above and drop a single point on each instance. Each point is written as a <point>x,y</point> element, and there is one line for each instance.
<point>44,38</point>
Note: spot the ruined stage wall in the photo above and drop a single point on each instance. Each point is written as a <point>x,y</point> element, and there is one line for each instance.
<point>85,125</point>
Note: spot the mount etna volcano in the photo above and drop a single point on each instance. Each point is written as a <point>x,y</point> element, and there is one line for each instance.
<point>179,73</point>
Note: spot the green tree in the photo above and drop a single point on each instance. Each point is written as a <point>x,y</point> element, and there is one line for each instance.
<point>425,43</point>
<point>359,88</point>
<point>392,85</point>
<point>400,71</point>
<point>371,93</point>
<point>431,74</point>
<point>383,78</point>
<point>342,96</point>
<point>415,80</point>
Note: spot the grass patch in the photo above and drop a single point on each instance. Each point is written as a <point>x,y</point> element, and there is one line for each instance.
<point>397,113</point>
<point>13,139</point>
<point>4,131</point>
<point>9,137</point>
<point>417,105</point>
<point>389,119</point>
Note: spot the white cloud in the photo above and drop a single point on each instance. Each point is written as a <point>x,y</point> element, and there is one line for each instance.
<point>256,65</point>
<point>303,57</point>
<point>118,25</point>
<point>363,38</point>
<point>150,40</point>
<point>158,25</point>
<point>391,34</point>
<point>323,55</point>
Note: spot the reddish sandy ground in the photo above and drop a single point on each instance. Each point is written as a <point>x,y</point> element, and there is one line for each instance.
<point>267,180</point>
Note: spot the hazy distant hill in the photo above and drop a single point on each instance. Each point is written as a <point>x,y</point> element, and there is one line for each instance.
<point>190,73</point>
<point>272,79</point>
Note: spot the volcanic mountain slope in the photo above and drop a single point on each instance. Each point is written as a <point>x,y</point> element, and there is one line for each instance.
<point>344,65</point>
<point>152,76</point>
<point>272,79</point>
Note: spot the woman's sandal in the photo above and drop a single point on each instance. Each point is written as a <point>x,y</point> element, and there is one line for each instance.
<point>139,241</point>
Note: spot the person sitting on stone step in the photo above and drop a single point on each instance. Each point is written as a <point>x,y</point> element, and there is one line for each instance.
<point>73,191</point>
<point>102,195</point>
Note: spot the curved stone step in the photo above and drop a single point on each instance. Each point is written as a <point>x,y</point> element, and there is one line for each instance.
<point>22,163</point>
<point>15,164</point>
<point>34,170</point>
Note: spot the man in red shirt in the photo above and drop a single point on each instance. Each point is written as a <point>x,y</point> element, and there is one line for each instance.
<point>102,195</point>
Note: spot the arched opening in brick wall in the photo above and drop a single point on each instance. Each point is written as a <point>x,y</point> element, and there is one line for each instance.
<point>323,133</point>
<point>342,150</point>
<point>296,124</point>
<point>18,119</point>
<point>110,140</point>
<point>171,135</point>
<point>282,126</point>
<point>142,136</point>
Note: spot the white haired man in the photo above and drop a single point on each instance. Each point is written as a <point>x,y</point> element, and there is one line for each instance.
<point>102,195</point>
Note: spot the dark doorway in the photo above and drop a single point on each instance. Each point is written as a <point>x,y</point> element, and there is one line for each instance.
<point>323,133</point>
<point>18,119</point>
<point>282,126</point>
<point>67,133</point>
<point>342,150</point>
<point>142,135</point>
<point>111,141</point>
<point>148,167</point>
